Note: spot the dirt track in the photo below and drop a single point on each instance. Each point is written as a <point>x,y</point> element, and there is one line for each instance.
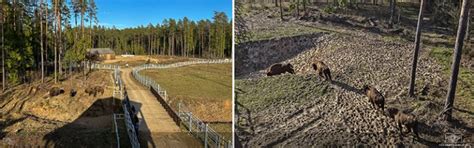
<point>157,128</point>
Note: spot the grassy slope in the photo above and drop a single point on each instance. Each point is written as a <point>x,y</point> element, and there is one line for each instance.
<point>261,93</point>
<point>464,91</point>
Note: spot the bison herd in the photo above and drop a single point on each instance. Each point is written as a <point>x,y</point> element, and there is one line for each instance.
<point>375,97</point>
<point>92,90</point>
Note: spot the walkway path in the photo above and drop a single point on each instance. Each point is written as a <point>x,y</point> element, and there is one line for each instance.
<point>157,128</point>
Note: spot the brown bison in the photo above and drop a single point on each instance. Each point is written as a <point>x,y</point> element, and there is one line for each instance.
<point>375,97</point>
<point>408,120</point>
<point>322,70</point>
<point>54,91</point>
<point>94,90</point>
<point>99,89</point>
<point>277,69</point>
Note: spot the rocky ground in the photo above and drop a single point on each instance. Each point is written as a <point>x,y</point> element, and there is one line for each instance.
<point>302,110</point>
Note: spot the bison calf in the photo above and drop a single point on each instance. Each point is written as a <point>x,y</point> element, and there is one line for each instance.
<point>404,119</point>
<point>277,69</point>
<point>375,97</point>
<point>322,69</point>
<point>55,91</point>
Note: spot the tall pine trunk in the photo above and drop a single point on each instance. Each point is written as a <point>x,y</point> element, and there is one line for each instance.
<point>3,51</point>
<point>417,49</point>
<point>463,19</point>
<point>41,40</point>
<point>281,11</point>
<point>393,4</point>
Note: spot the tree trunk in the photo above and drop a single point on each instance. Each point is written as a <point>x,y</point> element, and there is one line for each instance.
<point>281,11</point>
<point>463,19</point>
<point>417,49</point>
<point>393,3</point>
<point>56,45</point>
<point>297,8</point>
<point>3,51</point>
<point>90,31</point>
<point>276,3</point>
<point>60,67</point>
<point>41,40</point>
<point>46,34</point>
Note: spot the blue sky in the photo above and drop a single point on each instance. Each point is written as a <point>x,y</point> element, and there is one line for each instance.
<point>132,13</point>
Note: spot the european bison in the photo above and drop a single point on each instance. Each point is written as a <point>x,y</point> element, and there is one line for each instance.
<point>72,93</point>
<point>375,97</point>
<point>408,120</point>
<point>322,69</point>
<point>54,91</point>
<point>94,90</point>
<point>99,89</point>
<point>277,69</point>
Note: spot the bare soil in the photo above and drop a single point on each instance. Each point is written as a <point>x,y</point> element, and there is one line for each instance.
<point>304,110</point>
<point>29,117</point>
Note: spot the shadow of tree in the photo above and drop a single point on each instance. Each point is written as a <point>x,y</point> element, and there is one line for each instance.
<point>347,87</point>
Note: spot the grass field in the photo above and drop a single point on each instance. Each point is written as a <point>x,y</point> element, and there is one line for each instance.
<point>206,89</point>
<point>204,81</point>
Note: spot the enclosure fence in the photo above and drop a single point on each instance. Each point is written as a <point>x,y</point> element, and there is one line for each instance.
<point>193,124</point>
<point>119,92</point>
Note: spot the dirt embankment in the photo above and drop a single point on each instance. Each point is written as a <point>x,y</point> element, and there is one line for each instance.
<point>29,117</point>
<point>291,110</point>
<point>257,55</point>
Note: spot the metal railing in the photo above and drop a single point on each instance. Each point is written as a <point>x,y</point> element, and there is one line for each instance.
<point>119,92</point>
<point>194,125</point>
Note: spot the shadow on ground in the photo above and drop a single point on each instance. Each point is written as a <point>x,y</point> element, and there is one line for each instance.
<point>93,128</point>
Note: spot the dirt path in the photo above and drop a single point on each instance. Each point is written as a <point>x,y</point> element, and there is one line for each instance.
<point>157,128</point>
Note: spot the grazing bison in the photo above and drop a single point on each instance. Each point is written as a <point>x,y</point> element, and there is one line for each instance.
<point>54,91</point>
<point>322,70</point>
<point>375,97</point>
<point>72,93</point>
<point>99,89</point>
<point>94,90</point>
<point>277,69</point>
<point>91,91</point>
<point>408,120</point>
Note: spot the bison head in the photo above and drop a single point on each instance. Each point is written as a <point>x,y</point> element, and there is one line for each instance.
<point>289,68</point>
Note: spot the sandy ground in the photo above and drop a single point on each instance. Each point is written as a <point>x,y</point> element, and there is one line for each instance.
<point>303,110</point>
<point>27,114</point>
<point>157,128</point>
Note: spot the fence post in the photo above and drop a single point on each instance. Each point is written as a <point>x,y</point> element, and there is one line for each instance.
<point>218,141</point>
<point>190,121</point>
<point>205,137</point>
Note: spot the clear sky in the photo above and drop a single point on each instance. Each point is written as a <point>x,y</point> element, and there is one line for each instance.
<point>132,13</point>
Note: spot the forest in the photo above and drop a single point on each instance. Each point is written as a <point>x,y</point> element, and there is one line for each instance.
<point>41,38</point>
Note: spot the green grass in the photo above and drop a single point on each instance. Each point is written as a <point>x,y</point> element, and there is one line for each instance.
<point>260,93</point>
<point>284,31</point>
<point>209,81</point>
<point>464,89</point>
